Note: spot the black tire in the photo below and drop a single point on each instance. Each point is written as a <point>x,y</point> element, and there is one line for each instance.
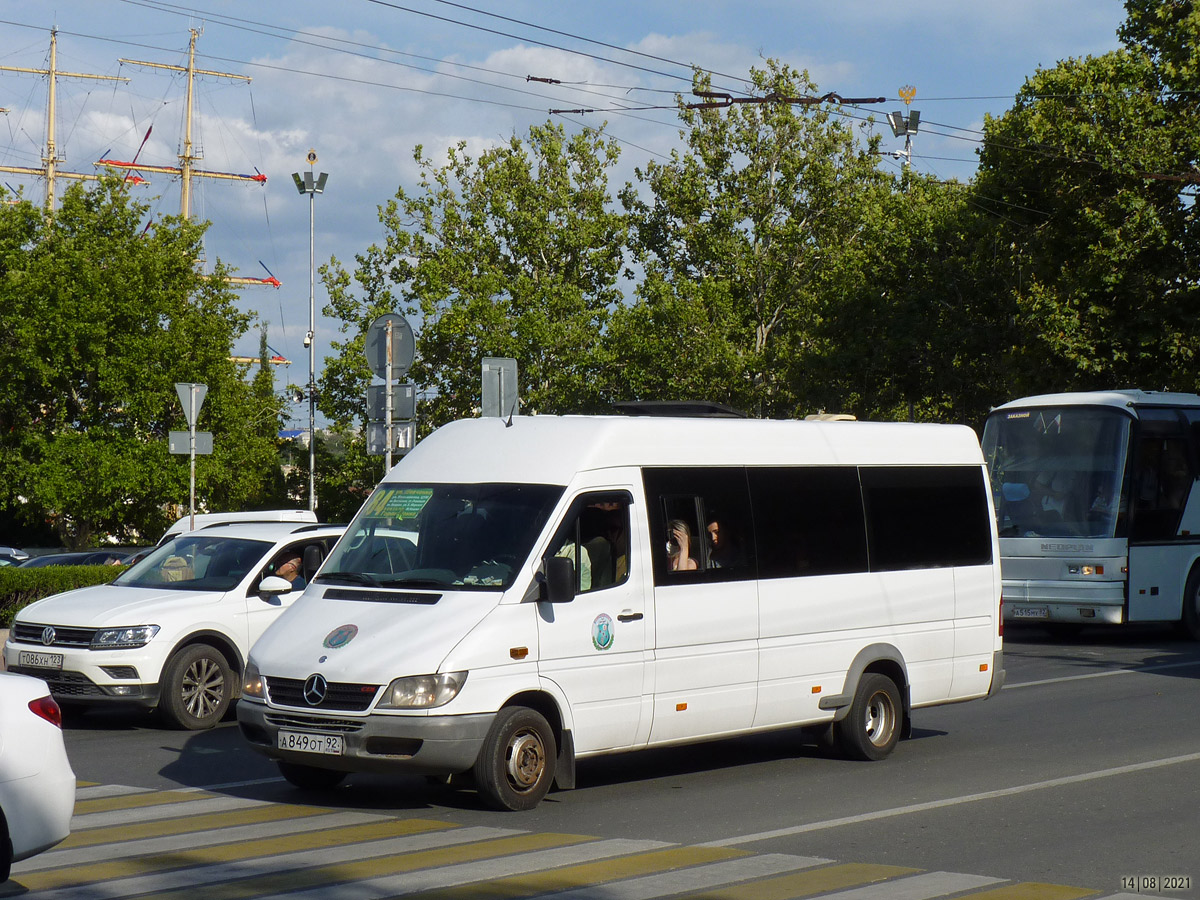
<point>1189,621</point>
<point>515,767</point>
<point>310,778</point>
<point>6,850</point>
<point>197,687</point>
<point>872,728</point>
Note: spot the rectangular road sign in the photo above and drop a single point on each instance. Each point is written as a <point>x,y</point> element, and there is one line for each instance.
<point>404,436</point>
<point>181,443</point>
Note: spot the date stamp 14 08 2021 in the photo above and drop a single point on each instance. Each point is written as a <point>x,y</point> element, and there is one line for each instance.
<point>1155,883</point>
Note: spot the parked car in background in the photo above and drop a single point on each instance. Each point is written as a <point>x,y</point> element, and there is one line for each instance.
<point>113,557</point>
<point>173,631</point>
<point>37,785</point>
<point>6,560</point>
<point>14,552</point>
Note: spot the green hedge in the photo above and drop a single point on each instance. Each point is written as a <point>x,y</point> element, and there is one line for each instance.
<point>20,587</point>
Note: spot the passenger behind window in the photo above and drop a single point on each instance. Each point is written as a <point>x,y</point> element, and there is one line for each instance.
<point>724,547</point>
<point>679,544</point>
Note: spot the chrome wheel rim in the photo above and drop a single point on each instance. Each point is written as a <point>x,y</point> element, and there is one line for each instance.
<point>880,718</point>
<point>203,688</point>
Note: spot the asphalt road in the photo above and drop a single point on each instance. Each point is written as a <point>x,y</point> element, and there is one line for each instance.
<point>1084,770</point>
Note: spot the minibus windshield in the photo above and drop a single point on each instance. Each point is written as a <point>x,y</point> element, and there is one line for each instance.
<point>1057,471</point>
<point>465,536</point>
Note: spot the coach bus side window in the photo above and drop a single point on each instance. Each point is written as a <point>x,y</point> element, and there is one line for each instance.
<point>1162,480</point>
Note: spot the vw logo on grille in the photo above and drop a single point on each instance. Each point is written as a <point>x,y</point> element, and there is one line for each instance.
<point>314,689</point>
<point>48,635</point>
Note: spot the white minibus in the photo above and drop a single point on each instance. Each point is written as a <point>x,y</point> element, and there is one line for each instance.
<point>520,594</point>
<point>1099,513</point>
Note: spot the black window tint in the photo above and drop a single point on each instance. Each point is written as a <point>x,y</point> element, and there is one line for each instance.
<point>926,516</point>
<point>808,521</point>
<point>700,527</point>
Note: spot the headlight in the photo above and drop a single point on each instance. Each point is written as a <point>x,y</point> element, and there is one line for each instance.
<point>252,682</point>
<point>123,638</point>
<point>422,691</point>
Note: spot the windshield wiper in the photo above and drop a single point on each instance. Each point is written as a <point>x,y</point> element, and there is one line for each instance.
<point>348,578</point>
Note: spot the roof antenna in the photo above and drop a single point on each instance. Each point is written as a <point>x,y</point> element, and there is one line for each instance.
<point>511,411</point>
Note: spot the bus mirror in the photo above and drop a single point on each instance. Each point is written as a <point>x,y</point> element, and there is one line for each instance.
<point>558,580</point>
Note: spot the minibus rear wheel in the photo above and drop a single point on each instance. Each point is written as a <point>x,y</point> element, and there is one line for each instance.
<point>872,727</point>
<point>515,767</point>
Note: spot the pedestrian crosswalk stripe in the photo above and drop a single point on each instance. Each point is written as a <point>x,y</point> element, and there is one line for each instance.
<point>297,871</point>
<point>535,883</point>
<point>132,830</point>
<point>460,872</point>
<point>264,827</point>
<point>695,878</point>
<point>132,801</point>
<point>916,887</point>
<point>805,884</point>
<point>87,791</point>
<point>1029,890</point>
<point>194,805</point>
<point>195,857</point>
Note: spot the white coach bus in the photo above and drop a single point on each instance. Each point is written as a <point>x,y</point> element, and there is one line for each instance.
<point>515,596</point>
<point>1098,513</point>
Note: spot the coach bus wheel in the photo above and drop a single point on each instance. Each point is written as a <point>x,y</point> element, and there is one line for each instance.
<point>872,728</point>
<point>1190,621</point>
<point>515,767</point>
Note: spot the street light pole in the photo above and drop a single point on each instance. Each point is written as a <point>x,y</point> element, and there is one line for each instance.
<point>306,184</point>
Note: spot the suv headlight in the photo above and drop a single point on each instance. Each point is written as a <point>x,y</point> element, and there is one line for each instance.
<point>123,638</point>
<point>252,682</point>
<point>422,691</point>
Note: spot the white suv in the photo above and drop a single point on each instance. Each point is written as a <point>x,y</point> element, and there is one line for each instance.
<point>174,630</point>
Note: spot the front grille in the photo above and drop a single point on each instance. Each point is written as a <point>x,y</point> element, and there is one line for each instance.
<point>342,696</point>
<point>64,636</point>
<point>62,684</point>
<point>314,723</point>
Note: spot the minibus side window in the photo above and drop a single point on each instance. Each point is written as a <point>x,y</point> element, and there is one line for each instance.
<point>922,517</point>
<point>809,520</point>
<point>595,537</point>
<point>700,524</point>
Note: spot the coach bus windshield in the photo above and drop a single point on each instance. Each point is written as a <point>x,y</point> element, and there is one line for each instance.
<point>1057,471</point>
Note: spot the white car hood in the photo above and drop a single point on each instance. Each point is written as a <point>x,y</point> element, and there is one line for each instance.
<point>386,639</point>
<point>106,605</point>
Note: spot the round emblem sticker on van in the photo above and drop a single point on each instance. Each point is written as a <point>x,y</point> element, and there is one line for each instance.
<point>602,632</point>
<point>340,636</point>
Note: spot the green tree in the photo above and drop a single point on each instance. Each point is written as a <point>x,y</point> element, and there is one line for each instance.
<point>741,237</point>
<point>517,253</point>
<point>102,316</point>
<point>1097,249</point>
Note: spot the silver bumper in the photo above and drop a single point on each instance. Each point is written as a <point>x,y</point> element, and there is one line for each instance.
<point>424,745</point>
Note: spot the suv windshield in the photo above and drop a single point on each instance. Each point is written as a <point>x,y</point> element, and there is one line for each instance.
<point>442,535</point>
<point>197,563</point>
<point>1057,471</point>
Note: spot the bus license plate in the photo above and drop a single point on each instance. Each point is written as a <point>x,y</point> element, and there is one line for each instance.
<point>326,744</point>
<point>1030,612</point>
<point>40,660</point>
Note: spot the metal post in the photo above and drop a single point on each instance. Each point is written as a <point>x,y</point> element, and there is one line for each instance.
<point>312,357</point>
<point>192,457</point>
<point>387,415</point>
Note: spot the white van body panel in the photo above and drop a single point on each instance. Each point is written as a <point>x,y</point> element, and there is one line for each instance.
<point>641,663</point>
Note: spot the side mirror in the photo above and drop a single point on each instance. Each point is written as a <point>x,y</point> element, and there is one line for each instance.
<point>273,585</point>
<point>558,580</point>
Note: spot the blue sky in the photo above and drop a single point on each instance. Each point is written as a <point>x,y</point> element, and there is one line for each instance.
<point>363,81</point>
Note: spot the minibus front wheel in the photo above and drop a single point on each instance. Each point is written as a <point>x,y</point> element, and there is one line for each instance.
<point>515,767</point>
<point>872,727</point>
